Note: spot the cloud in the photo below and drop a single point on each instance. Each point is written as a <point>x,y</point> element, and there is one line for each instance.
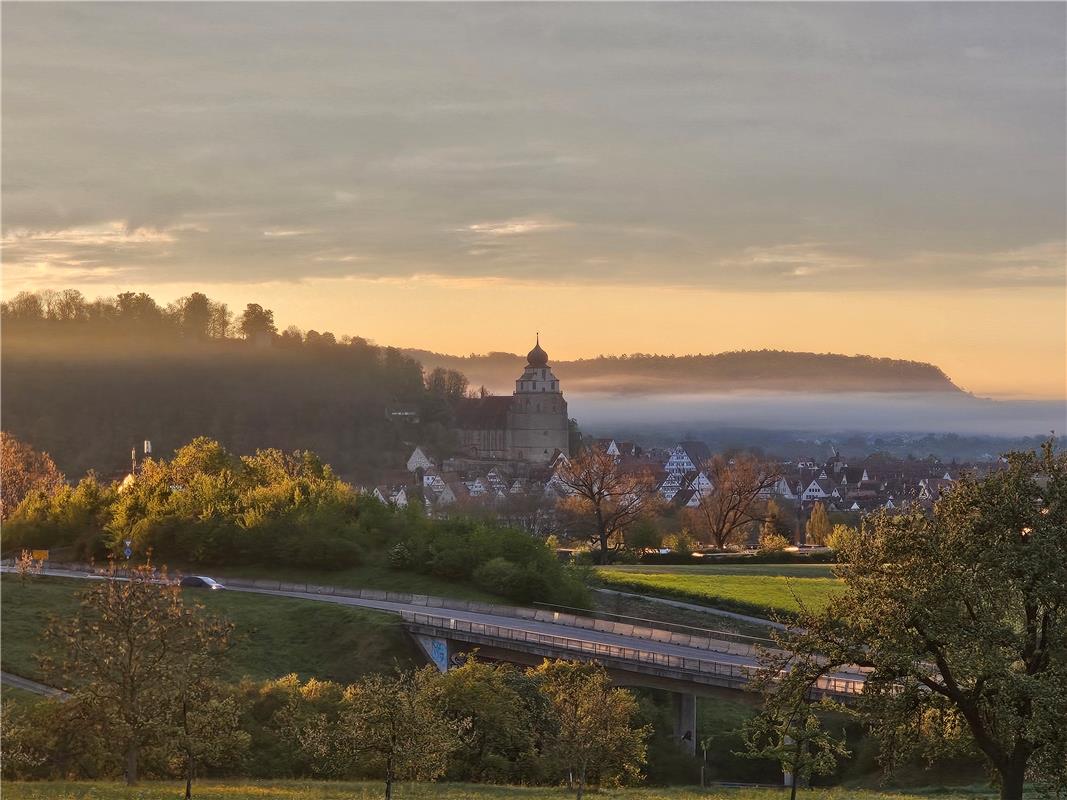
<point>287,232</point>
<point>115,233</point>
<point>744,146</point>
<point>514,227</point>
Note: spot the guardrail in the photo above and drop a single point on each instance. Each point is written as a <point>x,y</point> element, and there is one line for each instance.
<point>675,627</point>
<point>694,666</point>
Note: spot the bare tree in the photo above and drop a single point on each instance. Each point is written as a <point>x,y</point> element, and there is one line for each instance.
<point>739,488</point>
<point>606,497</point>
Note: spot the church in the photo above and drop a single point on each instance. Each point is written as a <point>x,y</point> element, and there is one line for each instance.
<point>531,425</point>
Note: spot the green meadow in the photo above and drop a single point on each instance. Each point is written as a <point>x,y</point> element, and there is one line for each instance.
<point>762,590</point>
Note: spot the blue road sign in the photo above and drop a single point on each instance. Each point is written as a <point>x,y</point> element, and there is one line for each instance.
<point>128,552</point>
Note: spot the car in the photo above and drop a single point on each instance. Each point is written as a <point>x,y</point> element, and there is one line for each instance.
<point>200,582</point>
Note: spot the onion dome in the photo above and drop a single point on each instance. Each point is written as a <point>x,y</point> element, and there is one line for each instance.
<point>537,357</point>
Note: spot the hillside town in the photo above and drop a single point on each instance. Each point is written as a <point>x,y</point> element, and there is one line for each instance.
<point>514,450</point>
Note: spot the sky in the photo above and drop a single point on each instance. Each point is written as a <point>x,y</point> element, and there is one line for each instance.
<point>879,178</point>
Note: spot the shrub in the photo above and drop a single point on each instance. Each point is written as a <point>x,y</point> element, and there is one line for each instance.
<point>840,536</point>
<point>498,576</point>
<point>772,543</point>
<point>400,556</point>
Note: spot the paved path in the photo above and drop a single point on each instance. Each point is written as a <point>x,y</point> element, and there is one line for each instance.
<point>503,621</point>
<point>18,682</point>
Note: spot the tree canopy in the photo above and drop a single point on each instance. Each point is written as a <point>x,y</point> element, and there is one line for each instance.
<point>959,617</point>
<point>168,374</point>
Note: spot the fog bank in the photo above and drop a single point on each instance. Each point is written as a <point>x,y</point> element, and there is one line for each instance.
<point>927,412</point>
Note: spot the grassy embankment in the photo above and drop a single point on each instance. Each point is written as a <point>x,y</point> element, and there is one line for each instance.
<point>275,635</point>
<point>366,576</point>
<point>762,590</point>
<point>323,790</point>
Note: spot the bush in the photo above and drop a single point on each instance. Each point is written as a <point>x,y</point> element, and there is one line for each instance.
<point>400,557</point>
<point>498,576</point>
<point>840,537</point>
<point>772,543</point>
<point>500,560</point>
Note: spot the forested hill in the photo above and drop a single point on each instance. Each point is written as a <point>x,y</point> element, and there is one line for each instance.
<point>85,381</point>
<point>776,370</point>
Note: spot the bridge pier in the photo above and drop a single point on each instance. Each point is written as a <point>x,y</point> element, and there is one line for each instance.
<point>685,721</point>
<point>439,650</point>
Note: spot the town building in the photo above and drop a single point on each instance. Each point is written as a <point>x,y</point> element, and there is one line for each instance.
<point>529,426</point>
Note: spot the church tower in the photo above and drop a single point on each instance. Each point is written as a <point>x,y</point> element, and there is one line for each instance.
<point>537,420</point>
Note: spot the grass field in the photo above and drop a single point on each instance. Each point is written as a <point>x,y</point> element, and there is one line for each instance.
<point>759,589</point>
<point>325,790</point>
<point>275,635</point>
<point>775,570</point>
<point>14,696</point>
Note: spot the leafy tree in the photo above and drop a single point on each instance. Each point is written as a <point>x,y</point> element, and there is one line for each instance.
<point>207,728</point>
<point>397,721</point>
<point>840,536</point>
<point>960,618</point>
<point>818,528</point>
<point>194,315</point>
<point>774,521</point>
<point>257,322</point>
<point>503,719</point>
<point>735,500</point>
<point>139,310</point>
<point>71,515</point>
<point>126,653</point>
<point>596,738</point>
<point>681,542</point>
<point>794,736</point>
<point>605,497</point>
<point>22,470</point>
<point>642,536</point>
<point>770,542</point>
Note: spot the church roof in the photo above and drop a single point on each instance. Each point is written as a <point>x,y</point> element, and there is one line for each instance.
<point>537,357</point>
<point>483,413</point>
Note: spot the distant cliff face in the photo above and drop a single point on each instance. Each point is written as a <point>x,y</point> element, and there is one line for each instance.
<point>772,370</point>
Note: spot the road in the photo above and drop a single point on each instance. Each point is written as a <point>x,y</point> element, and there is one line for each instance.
<point>18,682</point>
<point>766,623</point>
<point>513,623</point>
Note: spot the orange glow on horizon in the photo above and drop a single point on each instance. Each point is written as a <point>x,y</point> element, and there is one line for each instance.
<point>989,342</point>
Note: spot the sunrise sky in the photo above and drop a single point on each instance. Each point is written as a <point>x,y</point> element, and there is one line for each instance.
<point>858,178</point>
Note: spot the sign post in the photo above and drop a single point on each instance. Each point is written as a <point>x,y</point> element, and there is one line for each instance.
<point>129,550</point>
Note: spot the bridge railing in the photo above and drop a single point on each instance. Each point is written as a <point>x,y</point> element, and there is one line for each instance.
<point>740,672</point>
